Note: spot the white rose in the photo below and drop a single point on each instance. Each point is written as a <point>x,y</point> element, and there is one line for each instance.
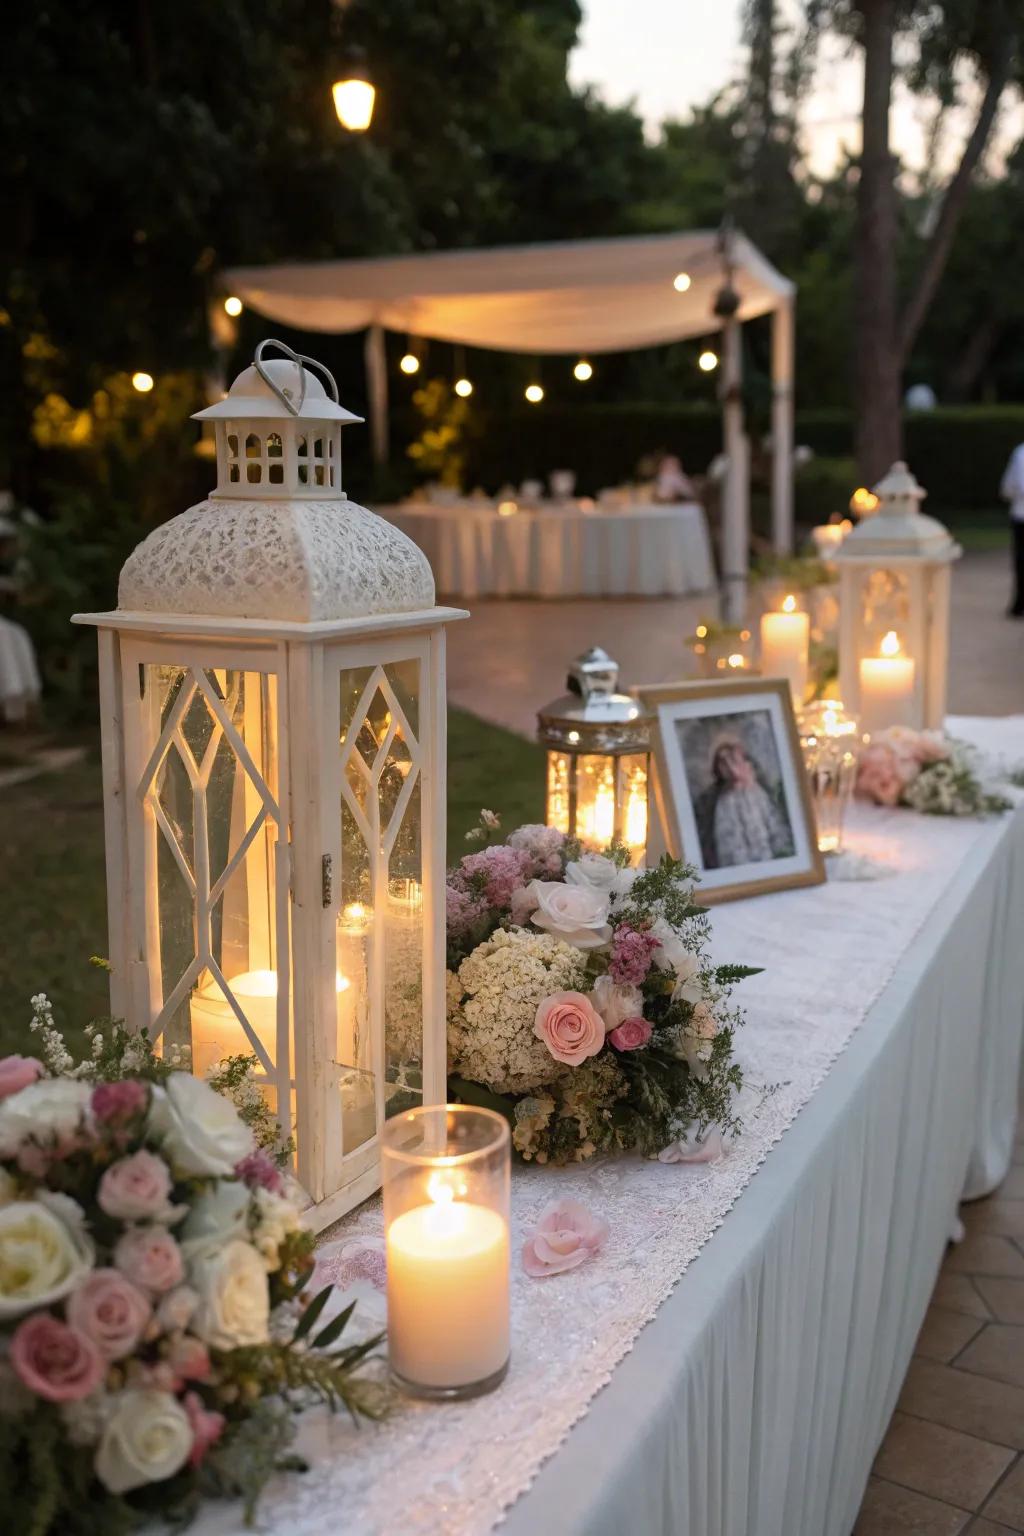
<point>576,913</point>
<point>146,1440</point>
<point>615,1003</point>
<point>198,1128</point>
<point>42,1258</point>
<point>234,1301</point>
<point>219,1215</point>
<point>671,953</point>
<point>600,873</point>
<point>52,1106</point>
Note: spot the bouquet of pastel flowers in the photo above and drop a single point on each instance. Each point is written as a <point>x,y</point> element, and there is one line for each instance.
<point>154,1341</point>
<point>582,1001</point>
<point>927,771</point>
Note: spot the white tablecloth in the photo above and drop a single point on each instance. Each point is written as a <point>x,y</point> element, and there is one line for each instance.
<point>882,1051</point>
<point>652,551</point>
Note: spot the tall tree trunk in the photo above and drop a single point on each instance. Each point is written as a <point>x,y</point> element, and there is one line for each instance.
<point>966,369</point>
<point>879,433</point>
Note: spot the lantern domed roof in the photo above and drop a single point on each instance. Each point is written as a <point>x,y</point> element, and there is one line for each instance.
<point>899,529</point>
<point>278,539</point>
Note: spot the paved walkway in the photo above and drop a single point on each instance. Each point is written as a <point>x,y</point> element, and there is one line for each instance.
<point>511,656</point>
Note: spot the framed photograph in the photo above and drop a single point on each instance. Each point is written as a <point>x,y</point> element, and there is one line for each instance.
<point>731,787</point>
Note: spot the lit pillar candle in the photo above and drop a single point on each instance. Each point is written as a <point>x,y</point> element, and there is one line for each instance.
<point>785,642</point>
<point>216,1029</point>
<point>828,537</point>
<point>446,1191</point>
<point>886,687</point>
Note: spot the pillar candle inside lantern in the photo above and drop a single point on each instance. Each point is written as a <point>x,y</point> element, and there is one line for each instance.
<point>886,686</point>
<point>216,1029</point>
<point>785,643</point>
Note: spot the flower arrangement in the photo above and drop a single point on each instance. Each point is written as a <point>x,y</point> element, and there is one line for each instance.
<point>156,1340</point>
<point>927,771</point>
<point>581,998</point>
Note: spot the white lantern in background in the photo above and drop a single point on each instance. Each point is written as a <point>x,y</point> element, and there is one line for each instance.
<point>599,759</point>
<point>894,588</point>
<point>273,711</point>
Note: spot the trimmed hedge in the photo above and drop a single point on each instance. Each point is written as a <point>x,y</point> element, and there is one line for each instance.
<point>957,452</point>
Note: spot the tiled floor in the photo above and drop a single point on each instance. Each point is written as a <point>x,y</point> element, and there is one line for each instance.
<point>953,1458</point>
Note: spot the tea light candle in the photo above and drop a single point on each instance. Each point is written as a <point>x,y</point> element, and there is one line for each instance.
<point>886,686</point>
<point>785,643</point>
<point>446,1216</point>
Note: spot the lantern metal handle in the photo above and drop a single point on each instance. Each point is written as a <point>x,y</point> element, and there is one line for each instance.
<point>303,363</point>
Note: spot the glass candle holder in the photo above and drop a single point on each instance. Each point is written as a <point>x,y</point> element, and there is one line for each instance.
<point>446,1173</point>
<point>830,739</point>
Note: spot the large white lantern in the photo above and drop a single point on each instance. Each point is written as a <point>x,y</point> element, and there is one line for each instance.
<point>273,710</point>
<point>894,589</point>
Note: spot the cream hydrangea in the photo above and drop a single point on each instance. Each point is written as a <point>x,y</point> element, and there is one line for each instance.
<point>502,983</point>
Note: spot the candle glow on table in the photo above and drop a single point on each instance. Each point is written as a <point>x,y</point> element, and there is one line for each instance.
<point>446,1183</point>
<point>785,644</point>
<point>886,686</point>
<point>448,1310</point>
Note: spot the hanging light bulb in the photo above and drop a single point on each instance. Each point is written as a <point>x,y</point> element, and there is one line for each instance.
<point>233,306</point>
<point>708,361</point>
<point>534,393</point>
<point>583,371</point>
<point>681,282</point>
<point>410,363</point>
<point>354,93</point>
<point>143,382</point>
<point>463,388</point>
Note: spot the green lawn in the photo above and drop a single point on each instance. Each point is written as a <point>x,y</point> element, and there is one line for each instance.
<point>52,896</point>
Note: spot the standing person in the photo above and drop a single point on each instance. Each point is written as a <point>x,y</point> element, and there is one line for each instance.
<point>1012,490</point>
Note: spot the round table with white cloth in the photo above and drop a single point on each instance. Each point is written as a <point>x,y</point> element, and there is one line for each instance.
<point>639,551</point>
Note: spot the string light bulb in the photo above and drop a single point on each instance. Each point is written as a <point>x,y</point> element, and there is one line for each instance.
<point>583,371</point>
<point>410,363</point>
<point>534,393</point>
<point>708,361</point>
<point>143,382</point>
<point>463,388</point>
<point>354,94</point>
<point>681,282</point>
<point>233,306</point>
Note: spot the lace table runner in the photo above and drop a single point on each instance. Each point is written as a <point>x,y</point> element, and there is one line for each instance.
<point>453,1470</point>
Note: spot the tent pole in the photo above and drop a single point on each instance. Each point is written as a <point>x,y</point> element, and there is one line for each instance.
<point>735,526</point>
<point>782,427</point>
<point>375,359</point>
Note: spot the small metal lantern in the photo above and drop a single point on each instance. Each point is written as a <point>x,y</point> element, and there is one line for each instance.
<point>894,588</point>
<point>599,758</point>
<point>273,708</point>
<point>829,739</point>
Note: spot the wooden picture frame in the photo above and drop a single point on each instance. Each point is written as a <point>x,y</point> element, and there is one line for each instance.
<point>729,779</point>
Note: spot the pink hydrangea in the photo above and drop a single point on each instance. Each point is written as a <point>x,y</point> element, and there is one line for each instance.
<point>259,1171</point>
<point>631,955</point>
<point>504,869</point>
<point>542,845</point>
<point>462,911</point>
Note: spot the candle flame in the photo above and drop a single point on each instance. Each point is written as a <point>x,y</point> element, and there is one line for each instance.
<point>440,1190</point>
<point>890,645</point>
<point>789,604</point>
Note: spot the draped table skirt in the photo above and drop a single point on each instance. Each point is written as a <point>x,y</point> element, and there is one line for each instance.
<point>649,551</point>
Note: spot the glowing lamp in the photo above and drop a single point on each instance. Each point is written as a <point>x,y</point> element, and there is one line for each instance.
<point>354,96</point>
<point>143,382</point>
<point>708,361</point>
<point>598,767</point>
<point>583,371</point>
<point>410,363</point>
<point>272,684</point>
<point>534,393</point>
<point>463,388</point>
<point>233,306</point>
<point>681,282</point>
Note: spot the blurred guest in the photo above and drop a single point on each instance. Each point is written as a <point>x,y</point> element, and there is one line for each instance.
<point>1012,490</point>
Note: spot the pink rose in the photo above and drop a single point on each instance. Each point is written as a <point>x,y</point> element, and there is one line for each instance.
<point>566,1236</point>
<point>570,1026</point>
<point>113,1103</point>
<point>878,775</point>
<point>524,904</point>
<point>206,1425</point>
<point>150,1258</point>
<point>703,1023</point>
<point>136,1188</point>
<point>110,1311</point>
<point>631,1034</point>
<point>54,1361</point>
<point>16,1072</point>
<point>189,1359</point>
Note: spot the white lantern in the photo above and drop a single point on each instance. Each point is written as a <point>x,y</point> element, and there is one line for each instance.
<point>894,588</point>
<point>273,703</point>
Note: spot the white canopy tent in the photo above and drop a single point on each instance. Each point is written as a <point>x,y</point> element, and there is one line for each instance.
<point>584,297</point>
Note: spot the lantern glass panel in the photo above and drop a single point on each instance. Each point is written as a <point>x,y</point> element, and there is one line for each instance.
<point>632,799</point>
<point>885,606</point>
<point>559,772</point>
<point>210,829</point>
<point>595,800</point>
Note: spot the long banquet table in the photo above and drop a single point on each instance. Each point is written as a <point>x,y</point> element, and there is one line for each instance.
<point>750,1320</point>
<point>645,551</point>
